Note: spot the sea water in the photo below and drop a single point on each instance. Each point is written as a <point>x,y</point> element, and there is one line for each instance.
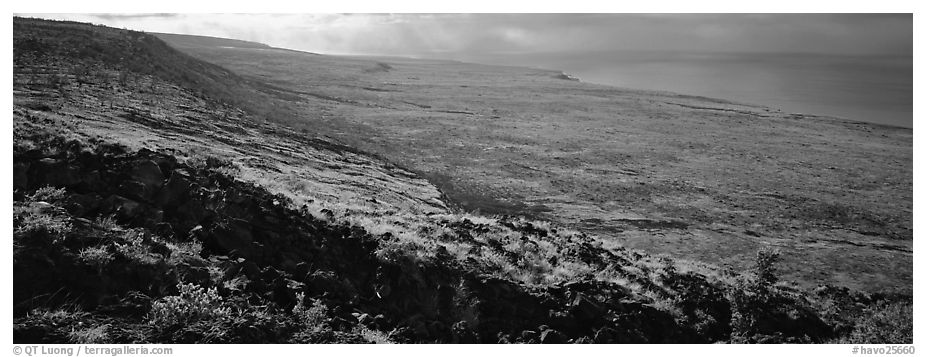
<point>876,89</point>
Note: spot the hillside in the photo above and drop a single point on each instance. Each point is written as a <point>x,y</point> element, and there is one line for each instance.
<point>206,41</point>
<point>160,198</point>
<point>691,177</point>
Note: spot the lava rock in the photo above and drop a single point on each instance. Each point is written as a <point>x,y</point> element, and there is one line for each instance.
<point>124,208</point>
<point>83,205</point>
<point>551,336</point>
<point>92,181</point>
<point>149,173</point>
<point>53,172</point>
<point>528,336</point>
<point>176,191</point>
<point>135,190</point>
<point>21,175</point>
<point>585,309</point>
<point>234,234</point>
<point>462,333</point>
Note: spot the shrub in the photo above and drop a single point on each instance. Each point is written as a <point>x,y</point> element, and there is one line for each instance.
<point>194,303</point>
<point>752,294</point>
<point>97,257</point>
<point>133,245</point>
<point>314,316</point>
<point>47,194</point>
<point>373,336</point>
<point>108,223</point>
<point>94,335</point>
<point>765,267</point>
<point>884,323</point>
<point>39,219</point>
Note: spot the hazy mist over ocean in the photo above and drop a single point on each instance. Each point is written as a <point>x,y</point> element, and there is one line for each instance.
<point>877,89</point>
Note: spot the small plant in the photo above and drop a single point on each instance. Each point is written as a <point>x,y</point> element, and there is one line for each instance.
<point>91,335</point>
<point>765,267</point>
<point>39,219</point>
<point>194,303</point>
<point>97,257</point>
<point>313,316</point>
<point>108,223</point>
<point>236,284</point>
<point>180,251</point>
<point>47,194</point>
<point>36,217</point>
<point>373,336</point>
<point>133,245</point>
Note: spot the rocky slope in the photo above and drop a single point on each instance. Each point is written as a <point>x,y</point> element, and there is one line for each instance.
<point>690,177</point>
<point>156,201</point>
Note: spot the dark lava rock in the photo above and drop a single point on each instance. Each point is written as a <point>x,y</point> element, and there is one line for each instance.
<point>551,336</point>
<point>528,336</point>
<point>135,190</point>
<point>605,335</point>
<point>251,270</point>
<point>53,172</point>
<point>585,309</point>
<point>92,181</point>
<point>149,173</point>
<point>124,208</point>
<point>21,175</point>
<point>233,235</point>
<point>175,192</point>
<point>462,333</point>
<point>83,205</point>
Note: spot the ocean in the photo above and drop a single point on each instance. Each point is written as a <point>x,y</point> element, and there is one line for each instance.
<point>876,89</point>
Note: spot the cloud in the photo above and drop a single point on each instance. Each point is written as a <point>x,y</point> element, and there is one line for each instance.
<point>458,35</point>
<point>111,17</point>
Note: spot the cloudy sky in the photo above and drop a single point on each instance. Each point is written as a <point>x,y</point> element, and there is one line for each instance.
<point>450,35</point>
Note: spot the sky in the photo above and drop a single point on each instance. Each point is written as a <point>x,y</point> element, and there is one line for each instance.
<point>452,35</point>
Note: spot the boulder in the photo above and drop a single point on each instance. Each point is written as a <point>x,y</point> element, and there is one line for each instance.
<point>152,217</point>
<point>135,190</point>
<point>250,270</point>
<point>175,192</point>
<point>189,215</point>
<point>551,336</point>
<point>53,172</point>
<point>271,274</point>
<point>605,335</point>
<point>528,336</point>
<point>363,318</point>
<point>165,162</point>
<point>164,229</point>
<point>300,269</point>
<point>148,173</point>
<point>233,235</point>
<point>20,176</point>
<point>83,205</point>
<point>585,309</point>
<point>193,274</point>
<point>124,208</point>
<point>92,181</point>
<point>462,333</point>
<point>563,320</point>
